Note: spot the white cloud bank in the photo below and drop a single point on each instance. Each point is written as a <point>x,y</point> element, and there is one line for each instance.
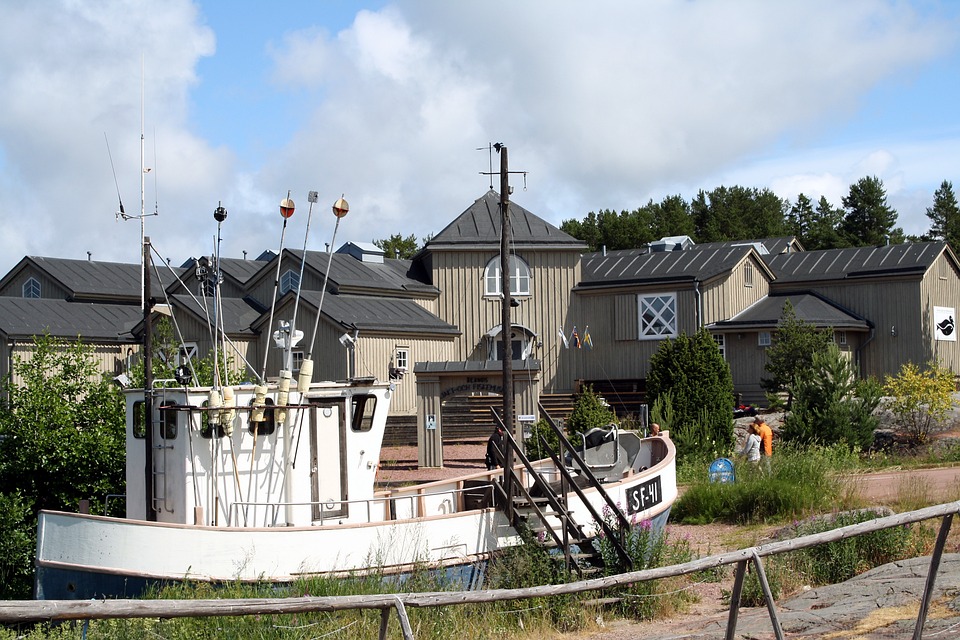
<point>606,104</point>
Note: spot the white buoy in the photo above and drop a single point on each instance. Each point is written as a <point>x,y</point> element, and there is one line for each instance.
<point>306,376</point>
<point>259,403</point>
<point>229,411</point>
<point>283,395</point>
<point>214,403</point>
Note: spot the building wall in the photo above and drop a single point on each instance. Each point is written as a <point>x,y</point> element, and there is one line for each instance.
<point>459,276</point>
<point>110,358</point>
<point>49,288</point>
<point>727,296</point>
<point>940,287</point>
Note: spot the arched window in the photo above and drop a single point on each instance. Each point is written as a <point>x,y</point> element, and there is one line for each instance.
<point>519,277</point>
<point>31,288</point>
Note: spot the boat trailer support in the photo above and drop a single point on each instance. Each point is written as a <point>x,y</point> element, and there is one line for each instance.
<point>404,620</point>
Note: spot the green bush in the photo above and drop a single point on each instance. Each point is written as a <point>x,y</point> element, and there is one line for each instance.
<point>698,379</point>
<point>832,406</point>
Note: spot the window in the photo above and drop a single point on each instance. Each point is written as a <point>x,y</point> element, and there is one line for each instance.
<point>187,353</point>
<point>269,424</point>
<point>763,339</point>
<point>658,316</point>
<point>517,344</point>
<point>841,337</point>
<point>363,408</point>
<point>168,421</point>
<point>31,288</point>
<point>748,274</point>
<point>721,341</point>
<point>519,277</point>
<point>139,424</point>
<point>297,357</point>
<point>289,281</point>
<point>400,363</point>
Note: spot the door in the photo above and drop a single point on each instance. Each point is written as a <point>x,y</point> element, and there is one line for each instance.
<point>328,469</point>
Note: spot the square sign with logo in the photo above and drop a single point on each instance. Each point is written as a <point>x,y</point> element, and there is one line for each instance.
<point>945,324</point>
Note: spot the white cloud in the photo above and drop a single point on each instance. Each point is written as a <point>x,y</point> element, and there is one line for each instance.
<point>605,106</point>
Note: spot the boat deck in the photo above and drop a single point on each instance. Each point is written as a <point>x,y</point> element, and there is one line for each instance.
<point>398,464</point>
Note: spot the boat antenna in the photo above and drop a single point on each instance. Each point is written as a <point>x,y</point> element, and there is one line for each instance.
<point>340,209</point>
<point>120,212</point>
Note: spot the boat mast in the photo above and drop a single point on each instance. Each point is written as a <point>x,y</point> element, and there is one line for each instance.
<point>147,416</point>
<point>505,329</point>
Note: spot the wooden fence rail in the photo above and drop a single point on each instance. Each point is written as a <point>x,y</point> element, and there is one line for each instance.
<point>21,611</point>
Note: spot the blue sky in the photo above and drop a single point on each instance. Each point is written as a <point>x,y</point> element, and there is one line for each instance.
<point>387,102</point>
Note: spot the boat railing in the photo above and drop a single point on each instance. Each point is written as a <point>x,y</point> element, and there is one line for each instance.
<point>376,509</point>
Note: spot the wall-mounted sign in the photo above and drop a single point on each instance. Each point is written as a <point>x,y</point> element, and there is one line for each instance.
<point>431,422</point>
<point>527,417</point>
<point>945,324</point>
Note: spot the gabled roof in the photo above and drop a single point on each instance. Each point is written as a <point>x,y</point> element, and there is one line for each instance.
<point>22,318</point>
<point>479,227</point>
<point>92,280</point>
<point>857,262</point>
<point>808,307</point>
<point>238,316</point>
<point>636,266</point>
<point>348,273</point>
<point>374,313</point>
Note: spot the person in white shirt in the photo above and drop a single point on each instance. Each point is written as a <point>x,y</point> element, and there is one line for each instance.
<point>751,448</point>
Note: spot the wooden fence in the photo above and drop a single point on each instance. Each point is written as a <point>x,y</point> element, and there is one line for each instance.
<point>22,611</point>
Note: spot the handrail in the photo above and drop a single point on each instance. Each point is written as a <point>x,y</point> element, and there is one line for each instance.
<point>20,611</point>
<point>235,507</point>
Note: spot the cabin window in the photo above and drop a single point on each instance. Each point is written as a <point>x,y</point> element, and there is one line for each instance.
<point>658,316</point>
<point>31,288</point>
<point>206,430</point>
<point>269,424</point>
<point>748,274</point>
<point>519,277</point>
<point>168,421</point>
<point>363,408</point>
<point>841,337</point>
<point>139,428</point>
<point>763,339</point>
<point>289,281</point>
<point>721,341</point>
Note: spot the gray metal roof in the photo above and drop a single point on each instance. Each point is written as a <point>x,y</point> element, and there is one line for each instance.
<point>348,272</point>
<point>858,262</point>
<point>479,226</point>
<point>376,313</point>
<point>25,317</point>
<point>808,307</point>
<point>637,266</point>
<point>238,316</point>
<point>96,280</point>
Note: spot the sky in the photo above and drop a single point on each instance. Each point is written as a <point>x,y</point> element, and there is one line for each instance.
<point>394,104</point>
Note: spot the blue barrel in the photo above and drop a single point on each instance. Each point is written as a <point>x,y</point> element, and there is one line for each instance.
<point>721,470</point>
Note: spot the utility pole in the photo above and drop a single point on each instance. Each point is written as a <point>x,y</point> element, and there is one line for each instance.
<point>507,327</point>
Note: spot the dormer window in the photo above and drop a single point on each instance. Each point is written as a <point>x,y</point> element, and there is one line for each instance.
<point>519,277</point>
<point>31,288</point>
<point>289,281</point>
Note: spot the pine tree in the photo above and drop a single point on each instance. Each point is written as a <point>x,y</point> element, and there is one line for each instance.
<point>945,216</point>
<point>869,220</point>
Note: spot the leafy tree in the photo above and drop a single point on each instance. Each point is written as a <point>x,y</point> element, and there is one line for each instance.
<point>19,543</point>
<point>61,439</point>
<point>586,230</point>
<point>738,213</point>
<point>166,359</point>
<point>945,216</point>
<point>396,246</point>
<point>671,217</point>
<point>790,357</point>
<point>869,220</point>
<point>831,405</point>
<point>698,380</point>
<point>920,399</point>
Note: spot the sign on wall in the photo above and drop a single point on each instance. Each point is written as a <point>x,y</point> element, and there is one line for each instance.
<point>945,324</point>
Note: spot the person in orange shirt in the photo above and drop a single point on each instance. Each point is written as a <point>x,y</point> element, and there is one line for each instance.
<point>766,440</point>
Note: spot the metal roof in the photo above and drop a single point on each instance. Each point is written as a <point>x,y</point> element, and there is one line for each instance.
<point>772,246</point>
<point>26,317</point>
<point>377,313</point>
<point>637,266</point>
<point>857,262</point>
<point>238,316</point>
<point>474,366</point>
<point>348,272</point>
<point>808,307</point>
<point>479,226</point>
<point>100,280</point>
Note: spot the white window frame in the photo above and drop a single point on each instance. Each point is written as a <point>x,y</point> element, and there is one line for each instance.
<point>519,277</point>
<point>402,358</point>
<point>289,281</point>
<point>748,274</point>
<point>187,351</point>
<point>721,340</point>
<point>296,358</point>
<point>31,288</point>
<point>841,338</point>
<point>656,316</point>
<point>764,339</point>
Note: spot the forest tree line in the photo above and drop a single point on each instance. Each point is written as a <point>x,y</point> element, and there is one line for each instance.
<point>864,218</point>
